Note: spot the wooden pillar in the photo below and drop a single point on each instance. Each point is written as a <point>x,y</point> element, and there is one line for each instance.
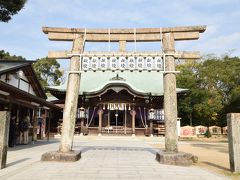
<point>43,129</point>
<point>151,127</point>
<point>108,123</point>
<point>35,124</point>
<point>133,113</point>
<point>71,101</point>
<point>49,124</point>
<point>4,133</point>
<point>17,116</point>
<point>125,121</point>
<point>100,114</point>
<point>170,95</point>
<point>122,46</point>
<point>82,125</point>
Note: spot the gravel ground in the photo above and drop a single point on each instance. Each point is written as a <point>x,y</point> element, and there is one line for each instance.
<point>212,154</point>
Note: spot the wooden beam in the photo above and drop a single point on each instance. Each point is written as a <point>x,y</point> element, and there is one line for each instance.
<point>199,29</point>
<point>56,36</point>
<point>178,55</point>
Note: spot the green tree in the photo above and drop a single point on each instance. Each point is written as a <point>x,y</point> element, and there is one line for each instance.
<point>48,71</point>
<point>8,8</point>
<point>214,88</point>
<point>187,79</point>
<point>6,56</point>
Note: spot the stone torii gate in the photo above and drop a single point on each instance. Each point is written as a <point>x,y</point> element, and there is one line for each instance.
<point>79,36</point>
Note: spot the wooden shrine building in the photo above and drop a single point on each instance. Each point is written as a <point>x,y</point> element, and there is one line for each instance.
<point>21,95</point>
<point>118,102</point>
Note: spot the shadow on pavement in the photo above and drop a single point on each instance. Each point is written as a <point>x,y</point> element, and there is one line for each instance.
<point>18,161</point>
<point>219,147</point>
<point>35,144</point>
<point>216,166</point>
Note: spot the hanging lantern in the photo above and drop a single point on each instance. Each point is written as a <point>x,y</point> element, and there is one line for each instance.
<point>103,63</point>
<point>94,63</point>
<point>113,63</point>
<point>85,63</point>
<point>140,63</point>
<point>129,108</point>
<point>81,112</point>
<point>158,63</point>
<point>103,106</point>
<point>149,63</point>
<point>122,63</point>
<point>151,114</point>
<point>131,63</point>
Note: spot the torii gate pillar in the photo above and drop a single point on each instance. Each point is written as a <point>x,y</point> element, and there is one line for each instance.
<point>170,95</point>
<point>65,152</point>
<point>171,155</point>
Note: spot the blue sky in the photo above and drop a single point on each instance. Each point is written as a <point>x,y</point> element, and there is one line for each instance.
<point>23,35</point>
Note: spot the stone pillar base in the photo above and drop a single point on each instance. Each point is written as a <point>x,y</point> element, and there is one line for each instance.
<point>99,134</point>
<point>133,135</point>
<point>61,157</point>
<point>176,158</point>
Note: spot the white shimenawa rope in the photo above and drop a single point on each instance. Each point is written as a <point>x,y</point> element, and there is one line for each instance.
<point>88,115</point>
<point>135,40</point>
<point>141,117</point>
<point>109,39</point>
<point>92,116</point>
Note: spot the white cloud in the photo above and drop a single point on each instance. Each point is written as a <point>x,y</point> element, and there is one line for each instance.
<point>217,45</point>
<point>222,44</point>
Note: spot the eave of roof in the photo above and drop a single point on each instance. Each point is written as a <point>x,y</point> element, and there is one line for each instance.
<point>26,96</point>
<point>24,65</point>
<point>13,65</point>
<point>141,83</point>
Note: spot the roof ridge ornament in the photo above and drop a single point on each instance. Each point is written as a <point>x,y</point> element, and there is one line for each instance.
<point>117,78</point>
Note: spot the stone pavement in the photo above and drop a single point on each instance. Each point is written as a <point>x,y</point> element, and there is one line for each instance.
<point>102,158</point>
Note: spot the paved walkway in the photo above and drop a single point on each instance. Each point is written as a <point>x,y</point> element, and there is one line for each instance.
<point>102,158</point>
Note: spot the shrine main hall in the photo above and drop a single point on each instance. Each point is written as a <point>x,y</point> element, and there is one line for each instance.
<point>119,102</point>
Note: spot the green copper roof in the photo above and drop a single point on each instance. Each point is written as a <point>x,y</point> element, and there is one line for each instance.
<point>143,82</point>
